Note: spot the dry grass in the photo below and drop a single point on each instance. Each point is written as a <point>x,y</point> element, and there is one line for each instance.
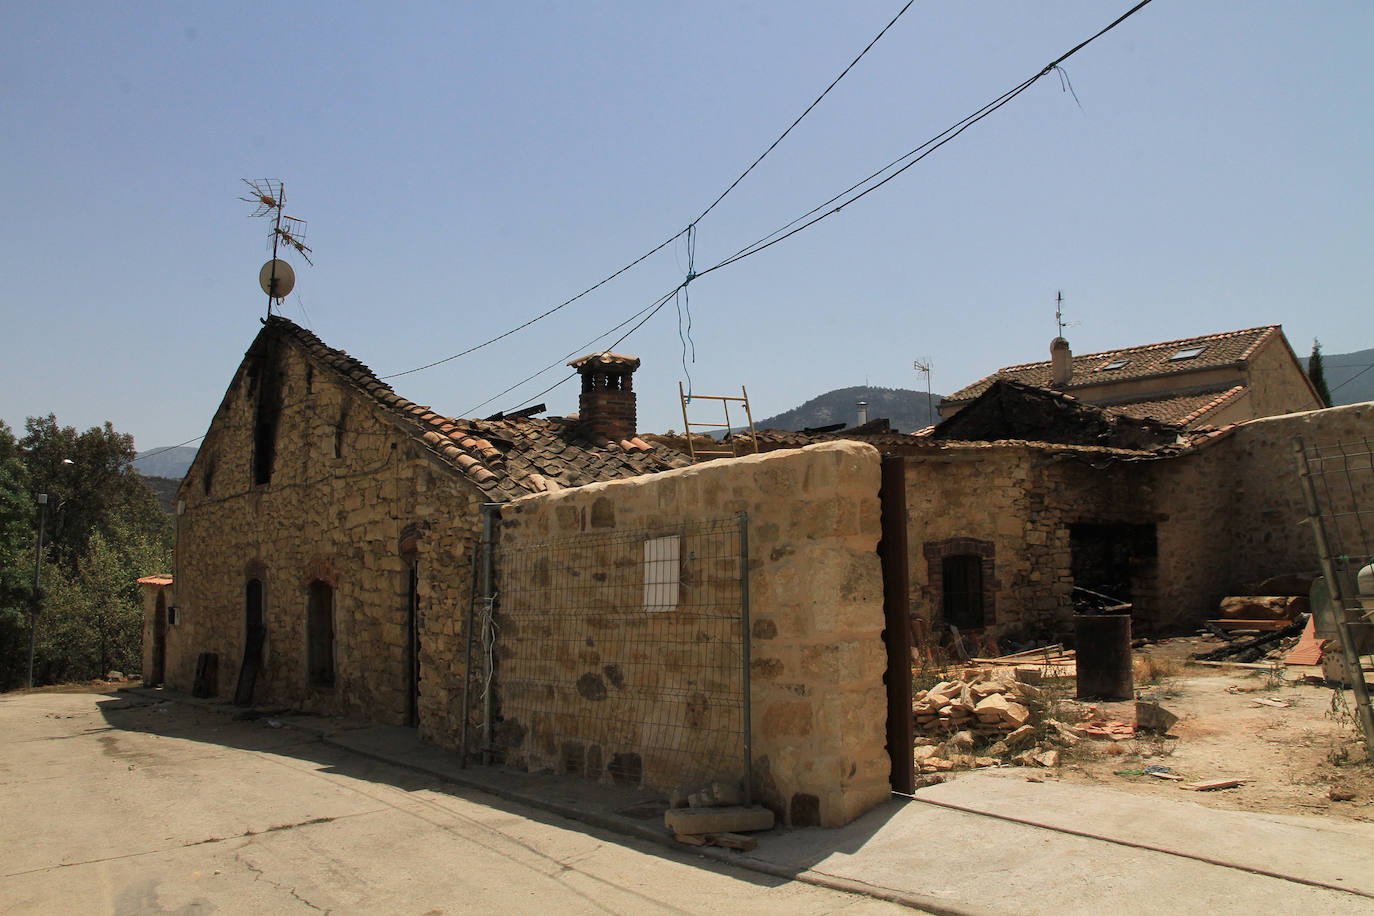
<point>1150,669</point>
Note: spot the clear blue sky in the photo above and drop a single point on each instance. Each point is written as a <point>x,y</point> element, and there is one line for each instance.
<point>466,166</point>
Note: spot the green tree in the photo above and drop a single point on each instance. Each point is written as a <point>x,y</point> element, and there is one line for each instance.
<point>104,530</point>
<point>96,491</point>
<point>17,536</point>
<point>1317,373</point>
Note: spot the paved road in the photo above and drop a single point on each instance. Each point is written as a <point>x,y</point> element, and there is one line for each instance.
<point>115,804</point>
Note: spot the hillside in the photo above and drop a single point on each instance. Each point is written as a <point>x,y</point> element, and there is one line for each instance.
<point>906,409</point>
<point>1348,375</point>
<point>165,462</point>
<point>165,489</point>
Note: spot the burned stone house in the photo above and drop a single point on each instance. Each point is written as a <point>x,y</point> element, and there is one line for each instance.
<point>326,530</point>
<point>1028,493</point>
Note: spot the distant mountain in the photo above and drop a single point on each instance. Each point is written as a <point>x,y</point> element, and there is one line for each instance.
<point>1350,376</point>
<point>907,410</point>
<point>165,462</point>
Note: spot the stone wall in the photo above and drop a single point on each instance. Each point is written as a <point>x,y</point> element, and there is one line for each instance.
<point>1236,508</point>
<point>351,502</point>
<point>1225,515</point>
<point>816,606</point>
<point>1278,385</point>
<point>1012,504</point>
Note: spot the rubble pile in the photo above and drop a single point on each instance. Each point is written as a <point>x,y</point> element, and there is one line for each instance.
<point>984,720</point>
<point>982,704</point>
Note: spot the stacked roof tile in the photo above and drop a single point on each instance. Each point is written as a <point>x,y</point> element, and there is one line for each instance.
<point>505,458</point>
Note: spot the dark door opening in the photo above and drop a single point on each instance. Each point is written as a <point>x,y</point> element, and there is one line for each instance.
<point>319,626</point>
<point>159,671</point>
<point>255,634</point>
<point>1112,560</point>
<point>413,643</point>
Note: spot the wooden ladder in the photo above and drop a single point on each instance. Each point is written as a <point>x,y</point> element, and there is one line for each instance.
<point>728,449</point>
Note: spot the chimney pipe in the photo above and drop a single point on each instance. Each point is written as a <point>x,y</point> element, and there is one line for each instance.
<point>606,407</point>
<point>1061,363</point>
<point>863,413</point>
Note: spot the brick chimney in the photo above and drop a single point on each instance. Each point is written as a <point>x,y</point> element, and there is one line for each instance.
<point>606,408</point>
<point>1061,363</point>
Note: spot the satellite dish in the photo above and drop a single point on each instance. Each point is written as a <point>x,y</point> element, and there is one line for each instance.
<point>276,278</point>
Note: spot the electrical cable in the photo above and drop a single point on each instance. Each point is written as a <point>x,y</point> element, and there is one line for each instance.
<point>650,309</point>
<point>870,183</point>
<point>690,226</point>
<point>486,343</point>
<point>168,448</point>
<point>817,101</point>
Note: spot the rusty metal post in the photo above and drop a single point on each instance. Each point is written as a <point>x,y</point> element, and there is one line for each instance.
<point>897,615</point>
<point>1338,588</point>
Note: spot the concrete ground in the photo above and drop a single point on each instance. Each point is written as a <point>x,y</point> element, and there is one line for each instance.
<point>120,804</point>
<point>145,805</point>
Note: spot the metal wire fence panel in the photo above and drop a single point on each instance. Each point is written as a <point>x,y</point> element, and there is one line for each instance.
<point>622,655</point>
<point>1343,479</point>
<point>1338,487</point>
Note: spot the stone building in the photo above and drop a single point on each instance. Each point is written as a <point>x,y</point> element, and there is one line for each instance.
<point>329,534</point>
<point>1211,380</point>
<point>326,530</point>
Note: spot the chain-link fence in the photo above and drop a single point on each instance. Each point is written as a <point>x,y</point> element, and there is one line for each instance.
<point>623,655</point>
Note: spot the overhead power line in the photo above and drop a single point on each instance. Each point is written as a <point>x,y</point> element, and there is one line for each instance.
<point>875,180</point>
<point>857,191</point>
<point>168,448</point>
<point>684,231</point>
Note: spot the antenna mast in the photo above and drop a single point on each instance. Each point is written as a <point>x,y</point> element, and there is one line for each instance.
<point>1059,310</point>
<point>276,277</point>
<point>924,366</point>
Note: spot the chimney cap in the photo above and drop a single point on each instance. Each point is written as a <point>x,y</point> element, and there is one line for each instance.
<point>606,361</point>
<point>1059,343</point>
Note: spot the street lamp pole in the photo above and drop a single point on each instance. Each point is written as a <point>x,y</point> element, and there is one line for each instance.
<point>37,570</point>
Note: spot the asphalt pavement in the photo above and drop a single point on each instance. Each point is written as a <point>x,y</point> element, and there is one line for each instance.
<point>991,841</point>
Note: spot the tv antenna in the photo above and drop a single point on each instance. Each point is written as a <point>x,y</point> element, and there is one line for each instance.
<point>1059,313</point>
<point>924,366</point>
<point>277,278</point>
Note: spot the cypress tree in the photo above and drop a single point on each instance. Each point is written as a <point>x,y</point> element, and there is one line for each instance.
<point>1317,373</point>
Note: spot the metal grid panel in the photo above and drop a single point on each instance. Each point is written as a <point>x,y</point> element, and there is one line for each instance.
<point>1343,479</point>
<point>623,655</point>
<point>1338,488</point>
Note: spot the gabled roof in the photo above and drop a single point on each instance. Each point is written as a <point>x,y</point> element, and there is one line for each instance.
<point>505,458</point>
<point>1188,410</point>
<point>1231,348</point>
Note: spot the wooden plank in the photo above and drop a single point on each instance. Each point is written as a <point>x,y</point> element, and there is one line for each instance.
<point>1226,624</point>
<point>1215,784</point>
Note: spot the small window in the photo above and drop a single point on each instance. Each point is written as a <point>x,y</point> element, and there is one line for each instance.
<point>1187,353</point>
<point>173,615</point>
<point>1116,364</point>
<point>662,573</point>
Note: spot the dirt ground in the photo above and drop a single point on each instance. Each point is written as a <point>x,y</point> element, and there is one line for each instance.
<point>1269,727</point>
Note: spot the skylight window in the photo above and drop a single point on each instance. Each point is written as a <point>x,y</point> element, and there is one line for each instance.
<point>1187,353</point>
<point>1115,364</point>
